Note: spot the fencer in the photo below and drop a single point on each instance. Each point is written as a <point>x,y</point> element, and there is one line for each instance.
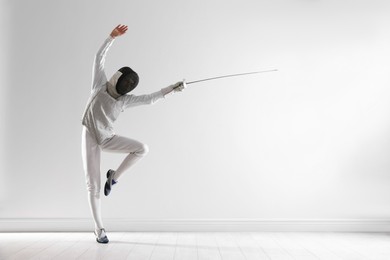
<point>107,100</point>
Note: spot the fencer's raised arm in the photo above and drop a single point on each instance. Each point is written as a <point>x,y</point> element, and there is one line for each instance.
<point>99,77</point>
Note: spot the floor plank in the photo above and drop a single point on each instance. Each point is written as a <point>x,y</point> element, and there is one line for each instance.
<point>186,247</point>
<point>228,247</point>
<point>250,247</point>
<point>207,246</point>
<point>144,247</point>
<point>271,248</point>
<point>292,247</point>
<point>165,247</point>
<point>311,242</point>
<point>123,246</point>
<point>82,242</point>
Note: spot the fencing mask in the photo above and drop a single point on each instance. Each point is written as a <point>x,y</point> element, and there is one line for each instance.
<point>122,82</point>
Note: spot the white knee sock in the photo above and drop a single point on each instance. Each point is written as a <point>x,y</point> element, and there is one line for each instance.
<point>94,202</point>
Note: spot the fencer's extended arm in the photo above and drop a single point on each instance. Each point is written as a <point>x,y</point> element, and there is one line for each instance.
<point>149,99</point>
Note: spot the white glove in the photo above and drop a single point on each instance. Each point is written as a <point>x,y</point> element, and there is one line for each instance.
<point>177,87</point>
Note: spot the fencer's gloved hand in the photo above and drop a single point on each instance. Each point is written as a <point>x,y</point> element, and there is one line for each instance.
<point>177,87</point>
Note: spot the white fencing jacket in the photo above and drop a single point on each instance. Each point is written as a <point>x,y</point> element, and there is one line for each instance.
<point>102,110</point>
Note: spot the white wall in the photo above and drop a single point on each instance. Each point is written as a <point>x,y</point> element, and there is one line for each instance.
<point>309,142</point>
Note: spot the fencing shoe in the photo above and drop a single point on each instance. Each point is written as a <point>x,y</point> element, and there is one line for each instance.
<point>110,181</point>
<point>101,236</point>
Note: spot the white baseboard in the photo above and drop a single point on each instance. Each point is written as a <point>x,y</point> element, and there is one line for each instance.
<point>255,225</point>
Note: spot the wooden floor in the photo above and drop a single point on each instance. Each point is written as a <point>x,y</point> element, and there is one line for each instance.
<point>196,245</point>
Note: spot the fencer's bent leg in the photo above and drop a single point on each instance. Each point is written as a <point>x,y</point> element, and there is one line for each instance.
<point>91,162</point>
<point>119,144</point>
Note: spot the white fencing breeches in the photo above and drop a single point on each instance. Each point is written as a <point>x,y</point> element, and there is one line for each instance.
<point>91,162</point>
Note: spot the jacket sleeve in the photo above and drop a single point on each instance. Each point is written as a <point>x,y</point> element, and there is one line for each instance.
<point>148,99</point>
<point>99,78</point>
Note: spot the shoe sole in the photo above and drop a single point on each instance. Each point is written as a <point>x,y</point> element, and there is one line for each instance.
<point>102,242</point>
<point>108,185</point>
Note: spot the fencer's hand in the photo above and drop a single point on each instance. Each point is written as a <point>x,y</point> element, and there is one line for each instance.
<point>179,86</point>
<point>119,30</point>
